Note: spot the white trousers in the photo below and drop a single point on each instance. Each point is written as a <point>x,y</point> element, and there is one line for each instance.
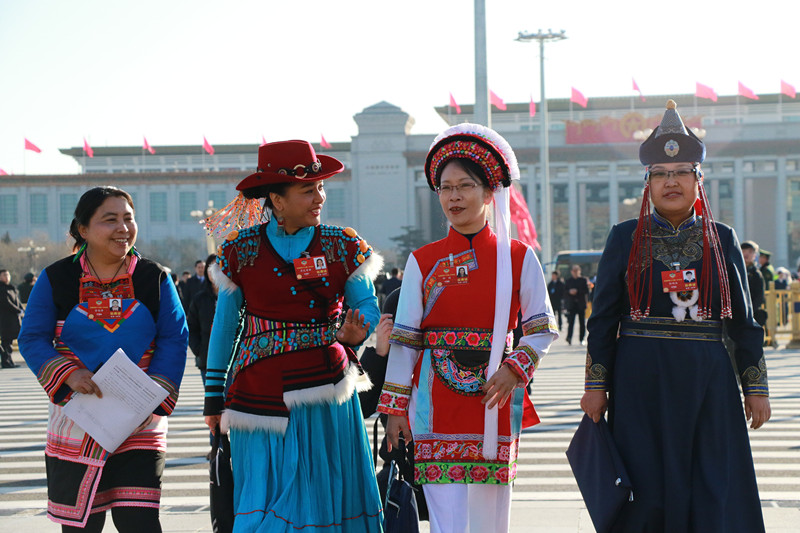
<point>467,508</point>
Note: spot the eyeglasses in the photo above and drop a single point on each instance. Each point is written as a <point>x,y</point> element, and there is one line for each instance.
<point>663,175</point>
<point>447,190</point>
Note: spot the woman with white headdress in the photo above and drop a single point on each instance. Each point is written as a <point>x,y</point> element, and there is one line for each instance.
<point>453,381</point>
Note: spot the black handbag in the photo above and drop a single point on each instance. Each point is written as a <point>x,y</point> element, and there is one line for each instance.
<point>403,462</point>
<point>221,484</point>
<point>600,472</point>
<point>400,514</point>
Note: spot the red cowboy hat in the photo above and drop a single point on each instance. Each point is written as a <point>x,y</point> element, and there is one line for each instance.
<point>290,162</point>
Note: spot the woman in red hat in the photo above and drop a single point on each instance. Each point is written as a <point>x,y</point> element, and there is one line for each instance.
<point>286,392</point>
<point>453,380</point>
<point>665,285</point>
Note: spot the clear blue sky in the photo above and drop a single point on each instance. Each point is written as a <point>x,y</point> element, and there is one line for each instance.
<point>176,70</point>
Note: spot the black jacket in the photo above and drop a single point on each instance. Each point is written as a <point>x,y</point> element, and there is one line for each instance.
<point>556,291</point>
<point>199,319</point>
<point>10,311</point>
<point>191,288</point>
<point>577,301</point>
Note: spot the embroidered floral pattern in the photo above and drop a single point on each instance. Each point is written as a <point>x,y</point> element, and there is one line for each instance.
<point>459,338</point>
<point>394,399</point>
<point>458,378</point>
<point>406,336</point>
<point>523,361</point>
<point>486,474</point>
<point>541,323</point>
<point>754,379</point>
<point>460,460</point>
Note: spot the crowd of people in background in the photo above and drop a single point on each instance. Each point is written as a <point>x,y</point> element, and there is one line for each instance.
<point>292,284</point>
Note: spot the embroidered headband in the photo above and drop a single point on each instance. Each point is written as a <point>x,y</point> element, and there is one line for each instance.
<point>477,143</point>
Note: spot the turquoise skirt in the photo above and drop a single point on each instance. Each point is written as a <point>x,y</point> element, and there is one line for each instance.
<point>319,476</point>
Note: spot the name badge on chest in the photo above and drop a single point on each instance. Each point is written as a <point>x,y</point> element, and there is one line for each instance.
<point>310,267</point>
<point>104,308</point>
<point>679,280</point>
<point>448,274</point>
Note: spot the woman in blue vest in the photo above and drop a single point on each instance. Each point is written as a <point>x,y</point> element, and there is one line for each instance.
<point>71,327</point>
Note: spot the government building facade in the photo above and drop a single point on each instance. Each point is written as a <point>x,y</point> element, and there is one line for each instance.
<point>752,175</point>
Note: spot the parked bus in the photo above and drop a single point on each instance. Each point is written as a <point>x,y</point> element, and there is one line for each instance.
<point>586,259</point>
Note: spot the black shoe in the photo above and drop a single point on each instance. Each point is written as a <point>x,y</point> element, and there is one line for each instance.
<point>9,365</point>
<point>569,341</point>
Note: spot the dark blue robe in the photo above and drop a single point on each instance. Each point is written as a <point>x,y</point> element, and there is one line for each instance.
<point>675,408</point>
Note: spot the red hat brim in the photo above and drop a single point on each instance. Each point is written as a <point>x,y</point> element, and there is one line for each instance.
<point>330,167</point>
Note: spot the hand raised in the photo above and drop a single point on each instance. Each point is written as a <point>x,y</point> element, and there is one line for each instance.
<point>353,330</point>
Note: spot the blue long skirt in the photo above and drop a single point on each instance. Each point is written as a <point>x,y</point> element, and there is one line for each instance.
<point>319,476</point>
<point>679,425</point>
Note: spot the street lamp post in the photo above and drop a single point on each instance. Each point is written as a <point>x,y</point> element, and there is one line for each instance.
<point>201,216</point>
<point>544,155</point>
<point>32,250</point>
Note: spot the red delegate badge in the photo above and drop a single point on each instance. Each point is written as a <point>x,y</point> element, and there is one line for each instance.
<point>310,267</point>
<point>452,275</point>
<point>104,308</point>
<point>679,280</point>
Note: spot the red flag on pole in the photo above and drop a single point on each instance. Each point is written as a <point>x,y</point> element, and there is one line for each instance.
<point>578,98</point>
<point>3,172</point>
<point>521,217</point>
<point>638,90</point>
<point>704,91</point>
<point>207,145</point>
<point>146,146</point>
<point>532,108</point>
<point>788,90</point>
<point>746,92</point>
<point>87,149</point>
<point>32,147</point>
<point>325,144</point>
<point>454,105</point>
<point>497,101</point>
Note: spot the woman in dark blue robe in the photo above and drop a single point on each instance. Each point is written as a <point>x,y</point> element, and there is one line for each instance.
<point>667,283</point>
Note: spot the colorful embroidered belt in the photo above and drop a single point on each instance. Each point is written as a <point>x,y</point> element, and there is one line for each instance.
<point>460,339</point>
<point>669,328</point>
<point>263,337</point>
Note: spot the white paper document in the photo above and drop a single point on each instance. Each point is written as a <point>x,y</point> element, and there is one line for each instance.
<point>129,397</point>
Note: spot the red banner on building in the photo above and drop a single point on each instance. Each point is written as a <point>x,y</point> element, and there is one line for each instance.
<point>616,130</point>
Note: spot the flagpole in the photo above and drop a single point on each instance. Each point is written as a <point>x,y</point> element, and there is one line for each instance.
<point>483,110</point>
<point>738,113</point>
